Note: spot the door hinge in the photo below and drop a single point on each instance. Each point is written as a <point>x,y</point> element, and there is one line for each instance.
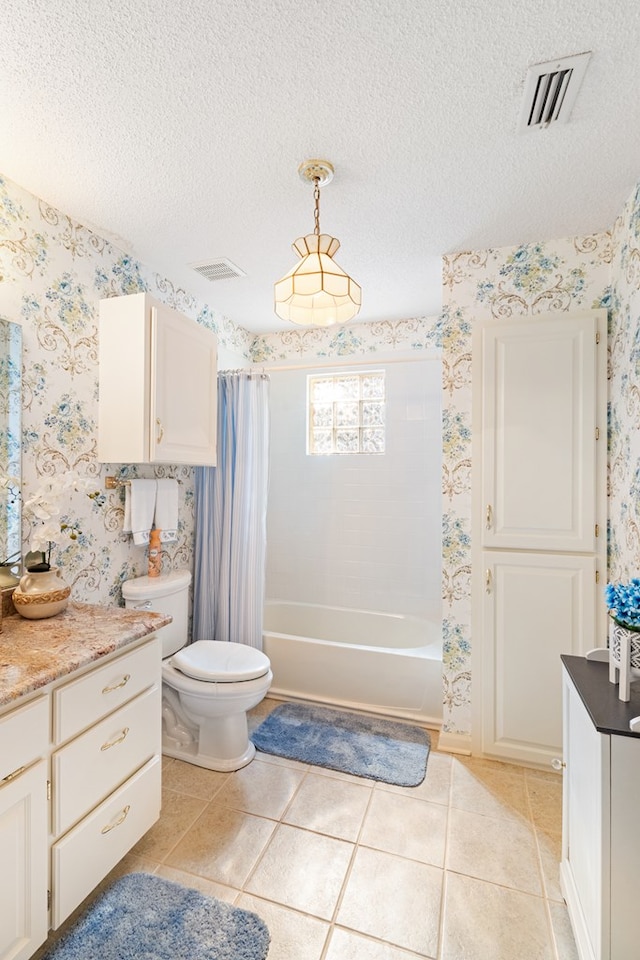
<point>597,530</point>
<point>597,576</point>
<point>597,433</point>
<point>48,899</point>
<point>48,789</point>
<point>597,336</point>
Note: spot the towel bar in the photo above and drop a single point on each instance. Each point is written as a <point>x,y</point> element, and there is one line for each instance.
<point>112,483</point>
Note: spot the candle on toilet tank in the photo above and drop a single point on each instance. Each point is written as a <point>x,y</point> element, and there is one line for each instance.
<point>155,554</point>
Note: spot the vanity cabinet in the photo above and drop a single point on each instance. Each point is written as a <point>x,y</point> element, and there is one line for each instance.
<point>105,771</point>
<point>24,742</point>
<point>79,786</point>
<point>157,385</point>
<point>601,786</point>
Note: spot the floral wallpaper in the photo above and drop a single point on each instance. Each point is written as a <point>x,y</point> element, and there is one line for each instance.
<point>354,339</point>
<point>53,272</point>
<point>10,440</point>
<point>624,395</point>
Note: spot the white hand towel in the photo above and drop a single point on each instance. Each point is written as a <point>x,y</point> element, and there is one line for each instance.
<point>166,518</point>
<point>139,507</point>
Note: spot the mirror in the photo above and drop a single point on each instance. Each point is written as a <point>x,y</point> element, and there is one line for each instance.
<point>10,451</point>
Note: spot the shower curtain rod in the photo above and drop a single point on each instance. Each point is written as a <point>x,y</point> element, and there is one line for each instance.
<point>244,371</point>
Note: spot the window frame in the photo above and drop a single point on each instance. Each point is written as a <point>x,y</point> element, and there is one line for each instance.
<point>335,426</point>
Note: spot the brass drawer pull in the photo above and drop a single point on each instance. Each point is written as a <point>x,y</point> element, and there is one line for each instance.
<point>116,686</point>
<point>161,429</point>
<point>122,816</point>
<point>12,776</point>
<point>112,743</point>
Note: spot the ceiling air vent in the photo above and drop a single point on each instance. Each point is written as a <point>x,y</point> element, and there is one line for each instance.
<point>221,269</point>
<point>550,91</point>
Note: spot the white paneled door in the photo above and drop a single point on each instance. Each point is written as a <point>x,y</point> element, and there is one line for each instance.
<point>539,521</point>
<point>184,390</point>
<point>538,433</point>
<point>23,862</point>
<point>538,605</point>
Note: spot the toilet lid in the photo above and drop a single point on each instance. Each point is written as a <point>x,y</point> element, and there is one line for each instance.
<point>221,662</point>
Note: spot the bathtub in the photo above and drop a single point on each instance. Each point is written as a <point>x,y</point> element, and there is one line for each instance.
<point>379,662</point>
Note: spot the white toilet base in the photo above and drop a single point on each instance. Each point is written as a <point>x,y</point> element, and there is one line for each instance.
<point>217,743</point>
<point>189,753</point>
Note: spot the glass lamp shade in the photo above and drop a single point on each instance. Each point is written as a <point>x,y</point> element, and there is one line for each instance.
<point>316,292</point>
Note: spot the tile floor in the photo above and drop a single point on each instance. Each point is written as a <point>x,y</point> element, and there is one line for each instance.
<point>463,867</point>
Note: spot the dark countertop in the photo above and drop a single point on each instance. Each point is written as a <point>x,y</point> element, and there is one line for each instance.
<point>608,713</point>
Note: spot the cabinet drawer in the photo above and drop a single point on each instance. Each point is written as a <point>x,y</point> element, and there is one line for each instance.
<point>24,736</point>
<point>82,702</point>
<point>81,859</point>
<point>89,768</point>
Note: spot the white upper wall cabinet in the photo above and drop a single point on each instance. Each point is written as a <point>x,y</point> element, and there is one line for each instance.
<point>158,385</point>
<point>538,428</point>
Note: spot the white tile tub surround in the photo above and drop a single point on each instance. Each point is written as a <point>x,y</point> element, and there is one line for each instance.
<point>359,530</point>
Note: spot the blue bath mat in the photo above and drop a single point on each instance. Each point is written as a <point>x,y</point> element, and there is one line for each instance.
<point>349,742</point>
<point>143,917</point>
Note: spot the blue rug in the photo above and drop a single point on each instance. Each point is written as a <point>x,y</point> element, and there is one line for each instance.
<point>349,742</point>
<point>142,917</point>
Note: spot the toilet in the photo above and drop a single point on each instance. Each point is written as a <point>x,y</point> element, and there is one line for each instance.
<point>207,686</point>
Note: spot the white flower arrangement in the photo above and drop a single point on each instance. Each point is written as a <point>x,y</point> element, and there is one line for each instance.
<point>45,508</point>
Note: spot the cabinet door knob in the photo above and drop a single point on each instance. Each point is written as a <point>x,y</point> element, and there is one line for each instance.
<point>160,430</point>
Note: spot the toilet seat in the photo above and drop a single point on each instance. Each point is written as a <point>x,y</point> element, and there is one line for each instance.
<point>216,661</point>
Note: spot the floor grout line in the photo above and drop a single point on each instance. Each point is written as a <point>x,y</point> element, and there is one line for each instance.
<point>443,889</point>
<point>446,798</point>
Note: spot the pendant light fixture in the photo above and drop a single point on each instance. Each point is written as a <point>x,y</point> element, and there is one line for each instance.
<point>316,292</point>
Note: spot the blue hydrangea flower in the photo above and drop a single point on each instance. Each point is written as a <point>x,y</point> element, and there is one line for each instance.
<point>623,601</point>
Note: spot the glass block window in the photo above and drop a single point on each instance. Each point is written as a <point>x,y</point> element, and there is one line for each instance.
<point>346,413</point>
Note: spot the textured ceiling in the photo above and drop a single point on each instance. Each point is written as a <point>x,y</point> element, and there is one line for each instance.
<point>176,128</point>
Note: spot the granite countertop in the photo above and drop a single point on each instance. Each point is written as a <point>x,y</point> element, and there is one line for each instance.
<point>33,653</point>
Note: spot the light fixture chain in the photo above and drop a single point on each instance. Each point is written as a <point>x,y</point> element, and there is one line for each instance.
<point>316,212</point>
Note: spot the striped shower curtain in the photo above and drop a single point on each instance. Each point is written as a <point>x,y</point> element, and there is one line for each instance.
<point>231,516</point>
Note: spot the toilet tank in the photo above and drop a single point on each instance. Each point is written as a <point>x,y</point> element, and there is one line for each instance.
<point>168,593</point>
